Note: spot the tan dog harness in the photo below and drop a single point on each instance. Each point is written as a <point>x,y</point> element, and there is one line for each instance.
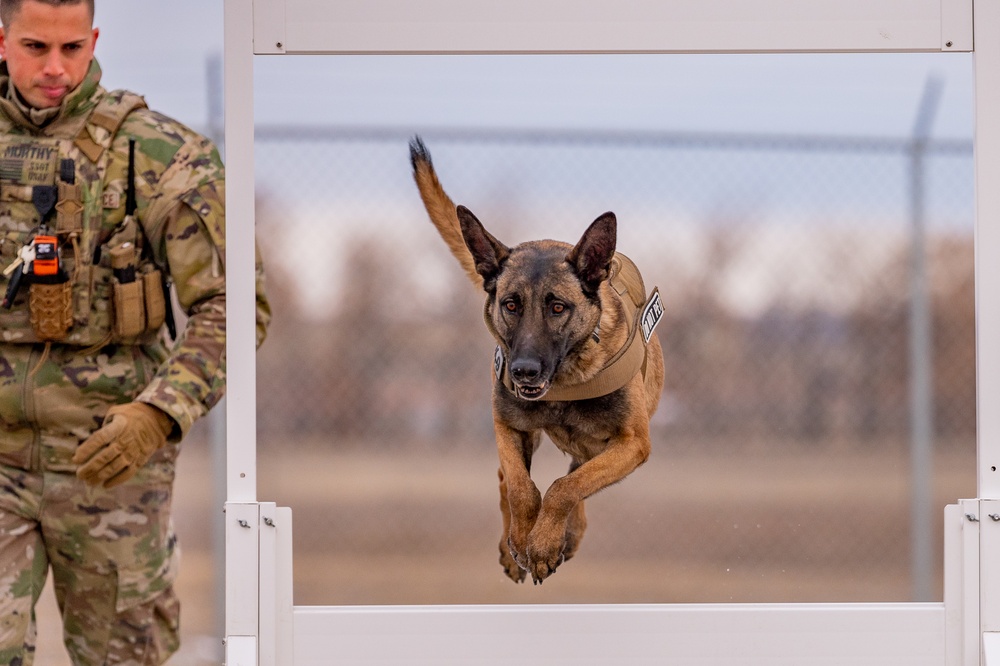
<point>641,316</point>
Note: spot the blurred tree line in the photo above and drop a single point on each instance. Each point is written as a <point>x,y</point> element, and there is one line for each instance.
<point>374,371</point>
<point>811,375</point>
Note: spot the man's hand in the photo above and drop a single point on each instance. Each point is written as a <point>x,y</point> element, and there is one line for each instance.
<point>131,434</point>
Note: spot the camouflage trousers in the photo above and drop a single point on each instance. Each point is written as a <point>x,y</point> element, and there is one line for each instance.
<point>113,556</point>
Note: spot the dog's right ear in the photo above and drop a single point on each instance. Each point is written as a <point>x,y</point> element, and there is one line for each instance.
<point>488,253</point>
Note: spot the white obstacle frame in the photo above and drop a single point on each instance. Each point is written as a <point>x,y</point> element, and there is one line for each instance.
<point>262,624</point>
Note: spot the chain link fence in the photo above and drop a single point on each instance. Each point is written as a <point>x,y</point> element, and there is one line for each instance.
<point>782,464</point>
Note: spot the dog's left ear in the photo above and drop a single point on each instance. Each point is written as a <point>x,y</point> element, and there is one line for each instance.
<point>591,258</point>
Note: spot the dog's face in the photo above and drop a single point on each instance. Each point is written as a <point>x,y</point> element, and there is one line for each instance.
<point>544,297</point>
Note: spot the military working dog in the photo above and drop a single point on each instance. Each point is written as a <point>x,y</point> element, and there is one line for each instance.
<point>576,358</point>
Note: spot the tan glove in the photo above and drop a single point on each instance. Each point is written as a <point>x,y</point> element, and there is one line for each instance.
<point>131,434</point>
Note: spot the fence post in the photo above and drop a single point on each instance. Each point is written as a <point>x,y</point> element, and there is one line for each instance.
<point>921,380</point>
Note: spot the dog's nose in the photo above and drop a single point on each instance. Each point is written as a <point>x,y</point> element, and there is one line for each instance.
<point>526,370</point>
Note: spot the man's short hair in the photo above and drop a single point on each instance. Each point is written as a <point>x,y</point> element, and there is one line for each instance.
<point>10,8</point>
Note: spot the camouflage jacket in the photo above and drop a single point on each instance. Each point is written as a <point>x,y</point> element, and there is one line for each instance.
<point>179,207</point>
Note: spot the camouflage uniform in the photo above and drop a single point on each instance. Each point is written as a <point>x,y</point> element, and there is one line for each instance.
<point>113,552</point>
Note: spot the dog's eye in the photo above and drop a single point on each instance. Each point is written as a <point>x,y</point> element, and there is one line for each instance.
<point>558,308</point>
<point>510,306</point>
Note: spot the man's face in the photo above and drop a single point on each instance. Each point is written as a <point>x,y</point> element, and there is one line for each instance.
<point>48,50</point>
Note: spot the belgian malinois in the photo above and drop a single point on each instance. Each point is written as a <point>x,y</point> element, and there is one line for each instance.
<point>576,359</point>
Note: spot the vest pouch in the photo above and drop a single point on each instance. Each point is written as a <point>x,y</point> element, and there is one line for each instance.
<point>83,288</point>
<point>156,312</point>
<point>69,210</point>
<point>51,308</point>
<point>130,316</point>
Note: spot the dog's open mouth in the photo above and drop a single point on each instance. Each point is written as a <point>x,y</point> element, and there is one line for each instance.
<point>532,392</point>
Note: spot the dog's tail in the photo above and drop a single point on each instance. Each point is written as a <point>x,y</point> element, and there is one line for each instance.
<point>440,208</point>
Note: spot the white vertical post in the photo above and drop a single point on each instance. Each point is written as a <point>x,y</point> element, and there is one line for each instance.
<point>242,512</point>
<point>987,161</point>
<point>241,402</point>
<point>277,636</point>
<point>242,571</point>
<point>267,589</point>
<point>921,367</point>
<point>284,588</point>
<point>989,579</point>
<point>961,583</point>
<point>986,59</point>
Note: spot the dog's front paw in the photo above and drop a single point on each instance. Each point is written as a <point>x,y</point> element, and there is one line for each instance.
<point>542,566</point>
<point>511,568</point>
<point>545,554</point>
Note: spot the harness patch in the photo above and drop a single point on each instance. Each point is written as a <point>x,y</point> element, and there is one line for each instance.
<point>652,313</point>
<point>498,362</point>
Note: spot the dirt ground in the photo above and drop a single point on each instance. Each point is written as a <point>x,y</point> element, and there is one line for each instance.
<point>829,524</point>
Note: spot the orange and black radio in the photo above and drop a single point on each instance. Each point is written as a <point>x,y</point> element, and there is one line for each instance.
<point>46,259</point>
<point>38,262</point>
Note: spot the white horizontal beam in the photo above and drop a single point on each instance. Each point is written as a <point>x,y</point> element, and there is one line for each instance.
<point>751,634</point>
<point>599,26</point>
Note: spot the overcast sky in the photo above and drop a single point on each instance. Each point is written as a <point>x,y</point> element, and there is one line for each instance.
<point>161,49</point>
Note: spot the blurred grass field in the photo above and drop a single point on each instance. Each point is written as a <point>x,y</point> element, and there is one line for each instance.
<point>818,525</point>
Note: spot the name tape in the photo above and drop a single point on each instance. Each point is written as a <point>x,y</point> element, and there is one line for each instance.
<point>652,313</point>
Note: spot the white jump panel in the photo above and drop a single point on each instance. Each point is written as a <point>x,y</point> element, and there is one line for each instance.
<point>599,26</point>
<point>721,635</point>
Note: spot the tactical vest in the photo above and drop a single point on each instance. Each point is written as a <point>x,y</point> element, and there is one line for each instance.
<point>99,286</point>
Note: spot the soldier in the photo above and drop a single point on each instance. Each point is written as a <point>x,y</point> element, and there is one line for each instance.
<point>103,203</point>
